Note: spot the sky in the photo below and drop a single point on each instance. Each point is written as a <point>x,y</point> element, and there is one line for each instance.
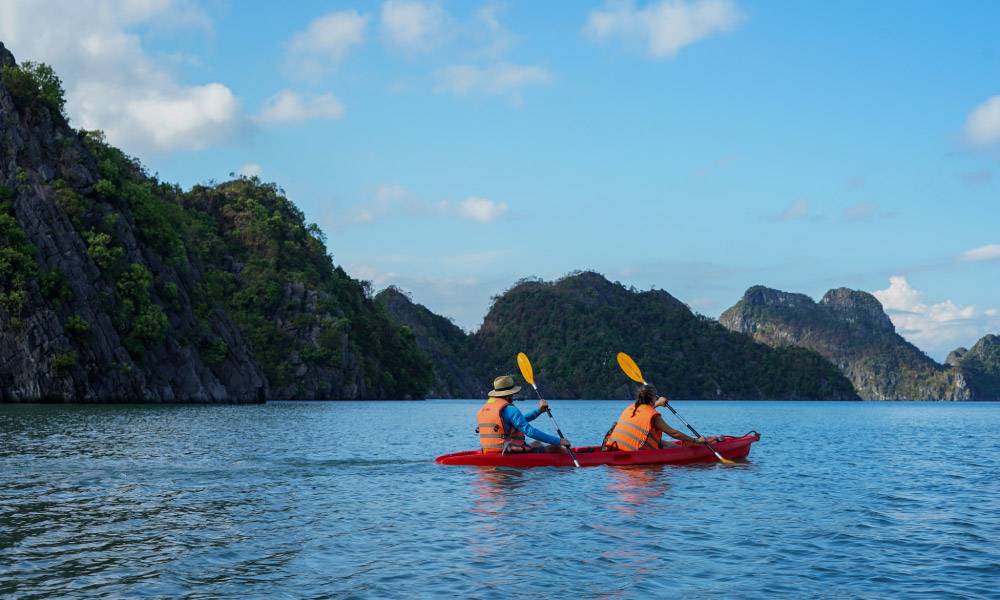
<point>695,146</point>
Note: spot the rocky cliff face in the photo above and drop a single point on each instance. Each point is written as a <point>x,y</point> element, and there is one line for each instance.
<point>982,363</point>
<point>308,380</point>
<point>441,340</point>
<point>63,336</point>
<point>115,286</point>
<point>852,330</point>
<point>858,308</point>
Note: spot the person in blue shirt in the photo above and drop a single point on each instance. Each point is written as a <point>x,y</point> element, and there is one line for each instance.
<point>502,427</point>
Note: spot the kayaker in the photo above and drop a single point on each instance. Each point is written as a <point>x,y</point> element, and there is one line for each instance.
<point>641,427</point>
<point>499,416</point>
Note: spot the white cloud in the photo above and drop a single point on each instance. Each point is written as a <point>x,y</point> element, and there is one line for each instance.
<point>189,118</point>
<point>937,328</point>
<point>324,44</point>
<point>496,38</point>
<point>388,198</point>
<point>664,27</point>
<point>702,303</point>
<point>982,127</point>
<point>111,84</point>
<point>798,210</point>
<point>412,25</point>
<point>987,252</point>
<point>288,107</point>
<point>391,200</point>
<point>480,209</point>
<point>250,170</point>
<point>497,80</point>
<point>862,211</point>
<point>422,26</point>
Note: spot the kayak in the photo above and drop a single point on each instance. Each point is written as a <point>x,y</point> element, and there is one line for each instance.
<point>677,453</point>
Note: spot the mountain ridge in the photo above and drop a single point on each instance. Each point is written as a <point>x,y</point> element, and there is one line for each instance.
<point>573,327</point>
<point>116,286</point>
<point>851,329</point>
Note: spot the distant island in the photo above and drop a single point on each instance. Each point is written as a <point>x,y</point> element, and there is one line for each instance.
<point>770,345</point>
<point>118,287</point>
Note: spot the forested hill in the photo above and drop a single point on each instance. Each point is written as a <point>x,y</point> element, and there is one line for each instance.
<point>850,328</point>
<point>115,286</point>
<point>572,330</point>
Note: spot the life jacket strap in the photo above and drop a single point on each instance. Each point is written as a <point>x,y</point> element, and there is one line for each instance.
<point>639,442</point>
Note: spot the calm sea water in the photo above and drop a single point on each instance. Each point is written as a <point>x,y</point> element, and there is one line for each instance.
<point>343,500</point>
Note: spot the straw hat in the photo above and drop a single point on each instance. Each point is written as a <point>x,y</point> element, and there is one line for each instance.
<point>504,386</point>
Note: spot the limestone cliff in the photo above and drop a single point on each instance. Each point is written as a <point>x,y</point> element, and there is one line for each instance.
<point>115,286</point>
<point>441,340</point>
<point>64,331</point>
<point>982,363</point>
<point>852,330</point>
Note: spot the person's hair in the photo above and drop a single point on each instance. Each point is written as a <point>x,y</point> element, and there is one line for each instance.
<point>645,395</point>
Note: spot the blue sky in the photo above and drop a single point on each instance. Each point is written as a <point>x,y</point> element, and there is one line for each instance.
<point>695,146</point>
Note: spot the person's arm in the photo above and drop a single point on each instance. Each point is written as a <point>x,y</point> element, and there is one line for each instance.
<point>514,418</point>
<point>660,424</point>
<point>543,406</point>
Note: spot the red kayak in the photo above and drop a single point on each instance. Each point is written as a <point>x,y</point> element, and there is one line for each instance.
<point>731,448</point>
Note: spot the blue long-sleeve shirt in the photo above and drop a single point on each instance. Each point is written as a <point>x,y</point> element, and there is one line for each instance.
<point>512,417</point>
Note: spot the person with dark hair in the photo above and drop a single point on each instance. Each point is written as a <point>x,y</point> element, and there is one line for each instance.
<point>502,427</point>
<point>641,427</point>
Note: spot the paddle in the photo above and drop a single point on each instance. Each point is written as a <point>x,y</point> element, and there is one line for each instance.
<point>632,370</point>
<point>529,376</point>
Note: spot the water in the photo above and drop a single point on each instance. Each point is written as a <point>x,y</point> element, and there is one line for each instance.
<point>343,500</point>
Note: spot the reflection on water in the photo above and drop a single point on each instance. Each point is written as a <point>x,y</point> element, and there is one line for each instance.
<point>495,495</point>
<point>637,486</point>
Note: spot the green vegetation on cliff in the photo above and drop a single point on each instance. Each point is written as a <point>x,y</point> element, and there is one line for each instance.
<point>850,328</point>
<point>17,259</point>
<point>253,243</point>
<point>170,262</point>
<point>983,363</point>
<point>33,85</point>
<point>441,340</point>
<point>573,328</point>
<point>256,229</point>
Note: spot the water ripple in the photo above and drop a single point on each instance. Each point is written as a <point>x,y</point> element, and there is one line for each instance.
<point>306,500</point>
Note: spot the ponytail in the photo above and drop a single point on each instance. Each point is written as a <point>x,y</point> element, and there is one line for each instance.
<point>645,395</point>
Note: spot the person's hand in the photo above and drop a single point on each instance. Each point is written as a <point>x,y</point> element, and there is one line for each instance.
<point>700,440</point>
<point>543,406</point>
<point>660,402</point>
<point>564,442</point>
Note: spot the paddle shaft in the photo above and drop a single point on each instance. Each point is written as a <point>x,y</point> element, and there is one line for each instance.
<point>556,425</point>
<point>696,434</point>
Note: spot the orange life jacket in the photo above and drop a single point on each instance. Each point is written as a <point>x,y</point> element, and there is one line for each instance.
<point>634,432</point>
<point>493,436</point>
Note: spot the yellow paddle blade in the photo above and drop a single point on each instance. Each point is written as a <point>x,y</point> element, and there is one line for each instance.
<point>525,364</point>
<point>631,369</point>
